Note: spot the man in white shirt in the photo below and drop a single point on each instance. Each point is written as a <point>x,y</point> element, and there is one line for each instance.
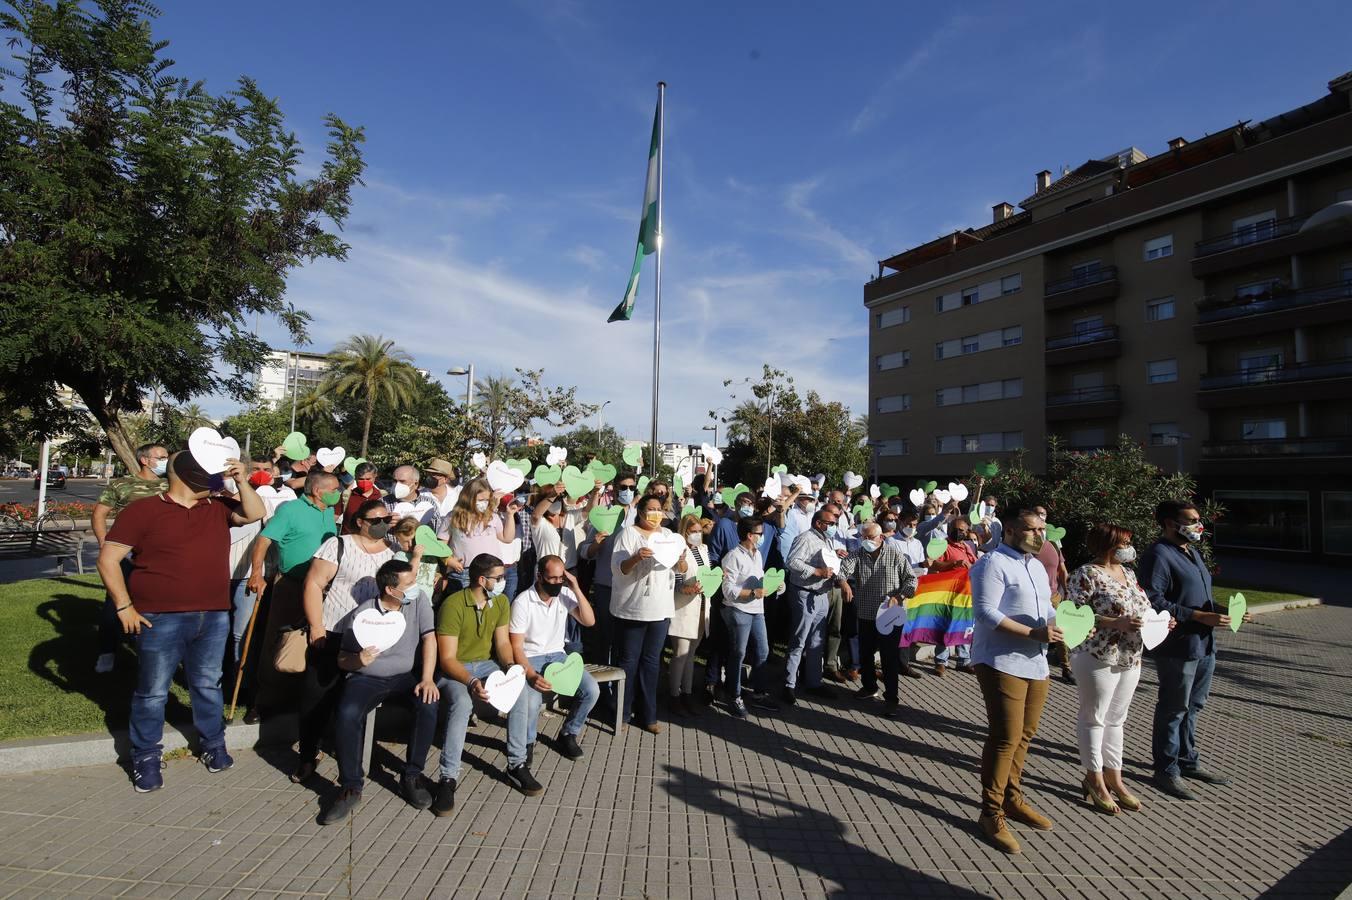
<point>406,498</point>
<point>539,618</point>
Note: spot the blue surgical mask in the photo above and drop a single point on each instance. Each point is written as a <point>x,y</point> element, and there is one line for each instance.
<point>161,466</point>
<point>745,511</point>
<point>830,531</point>
<point>625,496</point>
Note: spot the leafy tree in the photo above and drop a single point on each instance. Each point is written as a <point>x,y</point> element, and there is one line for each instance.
<point>585,442</point>
<point>373,370</point>
<point>513,407</point>
<point>145,219</point>
<point>262,428</point>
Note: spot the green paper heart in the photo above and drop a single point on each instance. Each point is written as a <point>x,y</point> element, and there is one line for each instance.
<point>1237,607</point>
<point>780,469</point>
<point>351,464</point>
<point>602,472</point>
<point>633,455</point>
<point>936,548</point>
<point>1075,623</point>
<point>888,491</point>
<point>521,465</point>
<point>566,677</point>
<point>605,518</point>
<point>926,486</point>
<point>432,545</point>
<point>710,579</point>
<point>988,470</point>
<point>677,485</point>
<point>773,581</point>
<point>642,484</point>
<point>295,446</point>
<point>863,513</point>
<point>1055,534</point>
<point>691,511</point>
<point>730,494</point>
<point>578,484</point>
<point>548,474</point>
<point>974,516</point>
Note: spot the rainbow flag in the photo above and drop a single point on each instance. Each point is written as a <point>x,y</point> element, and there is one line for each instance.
<point>940,613</point>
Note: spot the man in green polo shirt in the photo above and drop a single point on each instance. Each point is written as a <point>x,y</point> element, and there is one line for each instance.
<point>297,528</point>
<point>471,630</point>
<point>147,482</point>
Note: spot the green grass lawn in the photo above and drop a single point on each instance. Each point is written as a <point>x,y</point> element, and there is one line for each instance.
<point>1222,595</point>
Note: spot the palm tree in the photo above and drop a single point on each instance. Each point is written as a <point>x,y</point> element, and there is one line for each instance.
<point>372,368</point>
<point>493,404</point>
<point>194,417</point>
<point>315,405</point>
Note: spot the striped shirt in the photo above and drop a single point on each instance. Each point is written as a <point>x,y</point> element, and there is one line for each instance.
<point>874,579</point>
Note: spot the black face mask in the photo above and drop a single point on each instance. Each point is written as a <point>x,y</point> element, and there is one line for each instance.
<point>429,482</point>
<point>549,589</point>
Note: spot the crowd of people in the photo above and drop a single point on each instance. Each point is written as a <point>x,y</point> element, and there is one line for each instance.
<point>274,574</point>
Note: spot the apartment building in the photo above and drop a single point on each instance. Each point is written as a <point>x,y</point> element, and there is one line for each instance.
<point>284,370</point>
<point>1198,299</point>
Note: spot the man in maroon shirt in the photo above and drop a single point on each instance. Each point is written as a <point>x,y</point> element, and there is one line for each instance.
<point>176,603</point>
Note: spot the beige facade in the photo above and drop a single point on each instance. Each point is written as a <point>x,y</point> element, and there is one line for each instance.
<point>1173,298</point>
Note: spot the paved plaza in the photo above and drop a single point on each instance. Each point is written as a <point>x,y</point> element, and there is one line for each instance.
<point>827,799</point>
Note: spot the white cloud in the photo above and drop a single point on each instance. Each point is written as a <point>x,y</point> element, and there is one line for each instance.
<point>877,108</point>
<point>817,230</point>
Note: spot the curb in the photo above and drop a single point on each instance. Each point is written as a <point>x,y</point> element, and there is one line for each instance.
<point>1299,603</point>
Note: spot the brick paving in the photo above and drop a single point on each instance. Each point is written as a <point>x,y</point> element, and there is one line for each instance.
<point>824,800</point>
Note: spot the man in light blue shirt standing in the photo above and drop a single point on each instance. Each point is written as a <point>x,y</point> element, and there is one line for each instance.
<point>812,567</point>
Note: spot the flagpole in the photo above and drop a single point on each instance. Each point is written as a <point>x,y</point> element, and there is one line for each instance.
<point>657,280</point>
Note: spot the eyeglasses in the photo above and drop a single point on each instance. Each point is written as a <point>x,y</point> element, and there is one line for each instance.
<point>756,533</point>
<point>379,519</point>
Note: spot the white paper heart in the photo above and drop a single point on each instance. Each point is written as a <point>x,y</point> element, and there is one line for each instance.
<point>830,560</point>
<point>942,495</point>
<point>479,461</point>
<point>874,491</point>
<point>804,483</point>
<point>504,688</point>
<point>852,480</point>
<point>712,454</point>
<point>372,628</point>
<point>330,456</point>
<point>957,491</point>
<point>556,455</point>
<point>771,488</point>
<point>889,617</point>
<point>917,497</point>
<point>509,553</point>
<point>667,549</point>
<point>503,479</point>
<point>1155,629</point>
<point>211,450</point>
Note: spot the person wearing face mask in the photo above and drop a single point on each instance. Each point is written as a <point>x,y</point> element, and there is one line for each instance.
<point>1014,619</point>
<point>473,629</point>
<point>1108,664</point>
<point>797,520</point>
<point>810,575</point>
<point>1177,581</point>
<point>440,487</point>
<point>988,534</point>
<point>721,541</point>
<point>363,489</point>
<point>176,604</point>
<point>431,581</point>
<point>599,546</point>
<point>405,497</point>
<point>882,576</point>
<point>935,519</point>
<point>540,615</point>
<point>960,554</point>
<point>296,529</point>
<point>1055,563</point>
<point>910,544</point>
<point>744,611</point>
<point>148,481</point>
<point>689,623</point>
<point>642,603</point>
<point>405,671</point>
<point>479,524</point>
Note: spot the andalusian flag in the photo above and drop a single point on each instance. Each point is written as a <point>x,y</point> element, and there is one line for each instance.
<point>940,613</point>
<point>647,227</point>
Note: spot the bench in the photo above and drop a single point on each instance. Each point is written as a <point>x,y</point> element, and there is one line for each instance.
<point>63,545</point>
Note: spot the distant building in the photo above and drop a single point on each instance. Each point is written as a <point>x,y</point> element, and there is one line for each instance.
<point>284,369</point>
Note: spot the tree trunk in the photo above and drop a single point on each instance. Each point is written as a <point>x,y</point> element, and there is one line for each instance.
<point>366,428</point>
<point>111,422</point>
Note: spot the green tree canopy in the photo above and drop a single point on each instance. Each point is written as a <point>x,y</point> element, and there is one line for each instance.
<point>374,371</point>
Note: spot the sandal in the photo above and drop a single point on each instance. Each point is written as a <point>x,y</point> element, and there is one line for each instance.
<point>1091,796</point>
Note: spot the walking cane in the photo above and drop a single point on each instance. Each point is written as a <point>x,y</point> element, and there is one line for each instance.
<point>244,656</point>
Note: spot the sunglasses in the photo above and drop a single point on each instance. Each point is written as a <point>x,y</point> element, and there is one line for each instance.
<point>379,519</point>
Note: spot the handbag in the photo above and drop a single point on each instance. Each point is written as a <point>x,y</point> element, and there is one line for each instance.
<point>294,640</point>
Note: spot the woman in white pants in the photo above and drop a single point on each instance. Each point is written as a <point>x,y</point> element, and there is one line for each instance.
<point>689,624</point>
<point>1107,665</point>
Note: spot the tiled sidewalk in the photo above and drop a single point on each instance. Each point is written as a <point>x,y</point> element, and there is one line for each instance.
<point>824,800</point>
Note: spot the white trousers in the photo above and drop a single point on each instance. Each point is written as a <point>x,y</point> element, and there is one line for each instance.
<point>1105,697</point>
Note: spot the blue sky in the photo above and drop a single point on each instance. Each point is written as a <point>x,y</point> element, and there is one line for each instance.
<point>506,149</point>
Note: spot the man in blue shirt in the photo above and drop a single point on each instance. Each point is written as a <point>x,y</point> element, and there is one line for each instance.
<point>1176,580</point>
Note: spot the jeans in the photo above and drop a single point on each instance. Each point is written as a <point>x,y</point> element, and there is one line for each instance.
<point>639,645</point>
<point>457,717</point>
<point>319,695</point>
<point>888,647</point>
<point>962,653</point>
<point>509,576</point>
<point>241,608</point>
<point>524,717</point>
<point>460,580</point>
<point>110,629</point>
<point>1184,687</point>
<point>363,693</point>
<point>197,640</point>
<point>744,627</point>
<point>1013,709</point>
<point>808,611</point>
<point>1105,697</point>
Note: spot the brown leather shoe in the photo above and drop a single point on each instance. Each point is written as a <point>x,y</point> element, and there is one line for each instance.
<point>652,727</point>
<point>1020,811</point>
<point>940,669</point>
<point>836,675</point>
<point>993,827</point>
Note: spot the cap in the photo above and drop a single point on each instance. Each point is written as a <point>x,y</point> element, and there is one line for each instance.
<point>441,467</point>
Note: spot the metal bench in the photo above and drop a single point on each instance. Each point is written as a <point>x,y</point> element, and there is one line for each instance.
<point>63,545</point>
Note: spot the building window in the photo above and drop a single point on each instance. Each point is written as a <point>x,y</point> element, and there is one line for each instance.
<point>1011,284</point>
<point>1255,289</point>
<point>1159,310</point>
<point>948,302</point>
<point>894,317</point>
<point>898,447</point>
<point>1338,521</point>
<point>1260,365</point>
<point>971,297</point>
<point>1163,434</point>
<point>1160,247</point>
<point>1252,229</point>
<point>894,404</point>
<point>1161,371</point>
<point>1264,520</point>
<point>971,345</point>
<point>1085,269</point>
<point>1088,438</point>
<point>1087,325</point>
<point>1012,337</point>
<point>898,360</point>
<point>1264,429</point>
<point>985,442</point>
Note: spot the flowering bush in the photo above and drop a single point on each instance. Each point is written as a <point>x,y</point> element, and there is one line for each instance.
<point>27,512</point>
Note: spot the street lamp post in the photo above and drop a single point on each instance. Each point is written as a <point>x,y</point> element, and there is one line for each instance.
<point>469,385</point>
<point>600,410</point>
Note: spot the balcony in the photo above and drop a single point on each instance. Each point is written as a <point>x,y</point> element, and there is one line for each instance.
<point>1077,290</point>
<point>1259,243</point>
<point>1283,449</point>
<point>1102,402</point>
<point>1325,380</point>
<point>1082,346</point>
<point>1278,311</point>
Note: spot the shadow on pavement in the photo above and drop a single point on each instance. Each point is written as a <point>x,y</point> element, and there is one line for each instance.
<point>1326,873</point>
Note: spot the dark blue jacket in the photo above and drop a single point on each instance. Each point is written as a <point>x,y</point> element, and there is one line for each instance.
<point>724,538</point>
<point>1177,582</point>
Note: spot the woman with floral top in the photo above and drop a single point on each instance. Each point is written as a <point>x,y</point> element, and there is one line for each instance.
<point>1107,665</point>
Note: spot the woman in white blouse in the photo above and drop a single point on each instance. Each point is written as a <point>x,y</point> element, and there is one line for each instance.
<point>689,622</point>
<point>478,525</point>
<point>643,588</point>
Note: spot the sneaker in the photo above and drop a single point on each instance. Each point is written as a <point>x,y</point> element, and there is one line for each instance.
<point>217,760</point>
<point>412,789</point>
<point>445,801</point>
<point>762,701</point>
<point>145,774</point>
<point>1171,785</point>
<point>347,800</point>
<point>869,693</point>
<point>569,747</point>
<point>738,708</point>
<point>104,664</point>
<point>524,781</point>
<point>1205,777</point>
<point>789,696</point>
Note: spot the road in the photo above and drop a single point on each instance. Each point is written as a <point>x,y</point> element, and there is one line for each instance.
<point>21,490</point>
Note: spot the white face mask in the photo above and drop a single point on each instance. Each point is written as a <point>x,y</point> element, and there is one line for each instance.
<point>495,588</point>
<point>908,531</point>
<point>231,486</point>
<point>1125,554</point>
<point>401,490</point>
<point>694,539</point>
<point>870,546</point>
<point>481,506</point>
